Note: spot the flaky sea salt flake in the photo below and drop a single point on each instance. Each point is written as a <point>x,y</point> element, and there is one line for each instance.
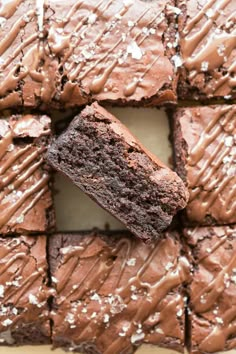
<point>134,50</point>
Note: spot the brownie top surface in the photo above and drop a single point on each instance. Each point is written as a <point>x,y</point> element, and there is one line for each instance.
<point>23,183</point>
<point>210,161</point>
<point>23,279</point>
<point>208,45</point>
<point>116,285</point>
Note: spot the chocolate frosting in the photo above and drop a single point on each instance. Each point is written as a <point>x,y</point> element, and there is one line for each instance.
<point>212,291</point>
<point>209,133</point>
<point>23,290</point>
<point>115,293</point>
<point>208,46</point>
<point>24,191</point>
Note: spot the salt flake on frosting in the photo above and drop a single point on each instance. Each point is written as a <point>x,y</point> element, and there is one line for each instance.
<point>134,50</point>
<point>128,2</point>
<point>209,13</point>
<point>229,140</point>
<point>177,60</point>
<point>137,337</point>
<point>7,322</point>
<point>204,66</point>
<point>33,300</point>
<point>131,262</point>
<point>1,290</point>
<point>92,19</point>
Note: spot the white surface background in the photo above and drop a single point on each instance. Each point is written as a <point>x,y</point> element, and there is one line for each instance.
<point>75,211</point>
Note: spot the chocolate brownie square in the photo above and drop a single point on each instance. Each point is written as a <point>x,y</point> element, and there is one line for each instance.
<point>114,51</point>
<point>25,197</point>
<point>21,52</point>
<point>205,157</point>
<point>108,163</point>
<point>208,49</point>
<point>24,312</point>
<point>213,289</point>
<point>114,293</point>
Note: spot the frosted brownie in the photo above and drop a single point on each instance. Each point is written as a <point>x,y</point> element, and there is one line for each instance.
<point>114,293</point>
<point>213,289</point>
<point>24,312</point>
<point>208,49</point>
<point>114,51</point>
<point>108,163</point>
<point>21,52</point>
<point>205,157</point>
<point>25,197</point>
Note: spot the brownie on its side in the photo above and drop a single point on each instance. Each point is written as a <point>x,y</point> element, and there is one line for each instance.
<point>213,289</point>
<point>24,312</point>
<point>25,198</point>
<point>108,163</point>
<point>208,49</point>
<point>205,156</point>
<point>114,293</point>
<point>114,51</point>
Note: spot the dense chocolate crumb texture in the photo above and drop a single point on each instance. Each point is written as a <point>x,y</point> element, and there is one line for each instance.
<point>25,198</point>
<point>24,313</point>
<point>70,53</point>
<point>108,163</point>
<point>213,288</point>
<point>208,49</point>
<point>205,143</point>
<point>115,293</point>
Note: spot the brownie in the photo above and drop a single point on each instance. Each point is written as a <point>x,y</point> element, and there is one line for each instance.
<point>24,312</point>
<point>113,51</point>
<point>208,49</point>
<point>213,288</point>
<point>205,157</point>
<point>21,51</point>
<point>25,197</point>
<point>114,293</point>
<point>109,164</point>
